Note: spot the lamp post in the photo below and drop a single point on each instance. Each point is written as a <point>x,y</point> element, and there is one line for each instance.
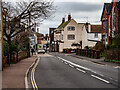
<point>1,35</point>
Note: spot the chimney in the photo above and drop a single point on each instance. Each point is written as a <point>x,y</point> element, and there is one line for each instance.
<point>63,20</point>
<point>38,30</point>
<point>86,25</point>
<point>69,17</point>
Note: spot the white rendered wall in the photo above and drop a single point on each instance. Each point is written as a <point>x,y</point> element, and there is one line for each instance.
<point>77,32</point>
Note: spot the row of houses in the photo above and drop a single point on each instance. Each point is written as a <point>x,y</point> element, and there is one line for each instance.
<point>70,34</point>
<point>38,40</point>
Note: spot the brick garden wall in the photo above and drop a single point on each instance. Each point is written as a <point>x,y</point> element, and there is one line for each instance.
<point>113,54</point>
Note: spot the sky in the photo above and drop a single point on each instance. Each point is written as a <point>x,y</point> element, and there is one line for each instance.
<point>80,10</point>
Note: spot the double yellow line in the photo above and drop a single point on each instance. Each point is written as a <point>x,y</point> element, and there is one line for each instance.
<point>34,85</point>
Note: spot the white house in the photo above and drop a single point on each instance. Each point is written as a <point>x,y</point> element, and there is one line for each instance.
<point>67,33</point>
<point>91,34</point>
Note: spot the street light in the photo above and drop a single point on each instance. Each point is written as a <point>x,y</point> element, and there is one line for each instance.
<point>1,35</point>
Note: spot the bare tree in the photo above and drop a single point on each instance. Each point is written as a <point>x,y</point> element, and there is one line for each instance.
<point>21,16</point>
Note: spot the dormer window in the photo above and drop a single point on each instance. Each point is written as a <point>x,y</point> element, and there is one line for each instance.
<point>71,28</point>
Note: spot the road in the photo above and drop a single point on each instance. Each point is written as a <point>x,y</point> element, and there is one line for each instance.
<point>55,70</point>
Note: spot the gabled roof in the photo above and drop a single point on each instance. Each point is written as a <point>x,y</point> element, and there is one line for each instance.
<point>96,29</point>
<point>106,7</point>
<point>62,25</point>
<point>118,5</point>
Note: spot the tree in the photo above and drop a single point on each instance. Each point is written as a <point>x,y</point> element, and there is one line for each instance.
<point>21,16</point>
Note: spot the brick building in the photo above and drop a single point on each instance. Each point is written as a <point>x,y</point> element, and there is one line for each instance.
<point>110,21</point>
<point>51,35</point>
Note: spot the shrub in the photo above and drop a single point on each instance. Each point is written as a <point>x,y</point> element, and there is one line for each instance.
<point>99,46</point>
<point>6,48</point>
<point>86,47</point>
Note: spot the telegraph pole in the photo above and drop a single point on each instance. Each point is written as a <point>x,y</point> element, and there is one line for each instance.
<point>1,35</point>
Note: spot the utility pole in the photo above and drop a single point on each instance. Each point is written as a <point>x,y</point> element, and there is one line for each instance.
<point>1,35</point>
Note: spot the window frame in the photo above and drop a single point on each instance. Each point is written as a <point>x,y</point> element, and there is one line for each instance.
<point>71,28</point>
<point>73,38</point>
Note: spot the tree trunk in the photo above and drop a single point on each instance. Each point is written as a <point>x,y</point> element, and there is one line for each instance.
<point>17,57</point>
<point>10,51</point>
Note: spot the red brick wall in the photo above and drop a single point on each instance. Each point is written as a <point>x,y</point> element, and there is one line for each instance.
<point>107,25</point>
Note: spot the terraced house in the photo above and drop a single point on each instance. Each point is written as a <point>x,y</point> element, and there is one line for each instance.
<point>110,21</point>
<point>67,33</point>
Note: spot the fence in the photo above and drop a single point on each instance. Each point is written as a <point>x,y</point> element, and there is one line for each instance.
<point>88,53</point>
<point>14,59</point>
<point>69,50</point>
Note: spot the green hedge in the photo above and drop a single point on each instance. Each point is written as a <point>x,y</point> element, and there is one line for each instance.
<point>115,61</point>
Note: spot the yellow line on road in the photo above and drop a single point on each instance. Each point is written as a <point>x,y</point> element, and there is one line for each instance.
<point>32,76</point>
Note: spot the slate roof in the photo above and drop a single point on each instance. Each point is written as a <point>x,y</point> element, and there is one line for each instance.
<point>96,29</point>
<point>107,6</point>
<point>118,5</point>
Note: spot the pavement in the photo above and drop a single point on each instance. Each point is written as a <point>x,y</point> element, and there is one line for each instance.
<point>0,80</point>
<point>99,61</point>
<point>14,76</point>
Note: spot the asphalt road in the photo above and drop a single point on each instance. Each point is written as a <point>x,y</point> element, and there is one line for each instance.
<point>59,71</point>
<point>107,71</point>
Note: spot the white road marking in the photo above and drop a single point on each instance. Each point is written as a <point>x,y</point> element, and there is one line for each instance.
<point>65,63</point>
<point>80,70</point>
<point>79,66</point>
<point>71,65</point>
<point>100,78</point>
<point>76,65</point>
<point>117,67</point>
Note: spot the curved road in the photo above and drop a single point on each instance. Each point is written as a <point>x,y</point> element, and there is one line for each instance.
<point>58,71</point>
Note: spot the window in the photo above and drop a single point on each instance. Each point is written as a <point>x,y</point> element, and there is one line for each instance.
<point>109,25</point>
<point>71,37</point>
<point>96,35</point>
<point>103,39</point>
<point>71,28</point>
<point>62,37</point>
<point>113,21</point>
<point>103,25</point>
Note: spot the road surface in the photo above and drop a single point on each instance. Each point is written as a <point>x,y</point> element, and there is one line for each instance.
<point>55,70</point>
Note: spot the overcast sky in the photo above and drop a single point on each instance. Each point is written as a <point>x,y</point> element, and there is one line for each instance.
<point>79,10</point>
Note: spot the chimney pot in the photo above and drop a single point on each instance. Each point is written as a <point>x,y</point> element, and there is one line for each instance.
<point>63,20</point>
<point>69,17</point>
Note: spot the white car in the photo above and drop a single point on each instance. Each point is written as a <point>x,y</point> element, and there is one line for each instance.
<point>41,51</point>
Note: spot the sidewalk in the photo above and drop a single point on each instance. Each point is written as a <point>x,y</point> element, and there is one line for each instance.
<point>0,80</point>
<point>14,76</point>
<point>98,61</point>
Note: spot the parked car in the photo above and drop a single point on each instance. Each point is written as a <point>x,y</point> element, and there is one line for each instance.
<point>41,51</point>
